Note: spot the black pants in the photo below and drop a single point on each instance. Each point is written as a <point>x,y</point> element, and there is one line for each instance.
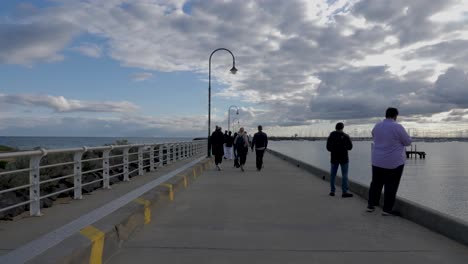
<point>218,158</point>
<point>242,154</point>
<point>390,178</point>
<point>259,158</point>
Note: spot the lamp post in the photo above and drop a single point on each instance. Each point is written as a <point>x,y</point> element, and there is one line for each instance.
<point>233,121</point>
<point>229,115</point>
<point>233,71</point>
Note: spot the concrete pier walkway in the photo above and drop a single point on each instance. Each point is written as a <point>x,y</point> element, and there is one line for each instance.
<point>279,215</point>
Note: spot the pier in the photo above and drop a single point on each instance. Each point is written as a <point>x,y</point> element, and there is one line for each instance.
<point>282,214</point>
<point>415,153</point>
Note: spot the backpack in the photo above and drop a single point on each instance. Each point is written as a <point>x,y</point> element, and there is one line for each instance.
<point>240,142</point>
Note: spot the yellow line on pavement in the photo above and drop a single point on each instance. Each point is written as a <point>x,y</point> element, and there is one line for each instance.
<point>97,238</point>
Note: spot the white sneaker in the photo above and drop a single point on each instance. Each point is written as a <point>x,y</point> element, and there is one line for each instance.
<point>219,168</point>
<point>242,168</point>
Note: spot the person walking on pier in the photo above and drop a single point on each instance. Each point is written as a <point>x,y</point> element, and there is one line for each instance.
<point>242,147</point>
<point>260,142</point>
<point>224,144</point>
<point>217,141</point>
<point>339,143</point>
<point>388,160</point>
<point>228,149</point>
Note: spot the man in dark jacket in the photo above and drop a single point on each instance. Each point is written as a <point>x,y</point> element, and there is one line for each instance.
<point>217,141</point>
<point>260,141</point>
<point>338,143</point>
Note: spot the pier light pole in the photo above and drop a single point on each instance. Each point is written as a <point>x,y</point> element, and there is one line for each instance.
<point>233,71</point>
<point>229,115</point>
<point>233,122</point>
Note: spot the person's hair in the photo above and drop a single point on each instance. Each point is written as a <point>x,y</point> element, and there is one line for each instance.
<point>260,128</point>
<point>391,112</point>
<point>229,132</point>
<point>339,126</point>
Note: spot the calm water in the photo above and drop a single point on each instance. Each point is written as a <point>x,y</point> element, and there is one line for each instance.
<point>25,143</point>
<point>440,181</point>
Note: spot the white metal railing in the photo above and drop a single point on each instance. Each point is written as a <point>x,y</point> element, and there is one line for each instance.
<point>112,161</point>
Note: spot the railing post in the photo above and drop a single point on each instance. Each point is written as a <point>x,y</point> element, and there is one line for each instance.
<point>182,150</point>
<point>161,155</point>
<point>140,160</point>
<point>152,167</point>
<point>35,181</point>
<point>174,153</point>
<point>125,164</point>
<point>105,168</point>
<point>77,193</point>
<point>168,153</point>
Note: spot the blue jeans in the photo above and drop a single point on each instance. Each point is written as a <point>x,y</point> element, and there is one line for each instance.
<point>344,176</point>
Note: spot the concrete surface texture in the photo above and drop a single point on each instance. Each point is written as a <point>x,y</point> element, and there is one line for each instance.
<point>281,214</point>
<point>14,234</point>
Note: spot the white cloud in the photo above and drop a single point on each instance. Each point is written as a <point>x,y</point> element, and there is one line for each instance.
<point>89,49</point>
<point>142,76</point>
<point>63,105</point>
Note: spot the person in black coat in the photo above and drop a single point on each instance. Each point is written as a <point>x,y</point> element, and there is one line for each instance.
<point>260,142</point>
<point>217,142</point>
<point>339,143</point>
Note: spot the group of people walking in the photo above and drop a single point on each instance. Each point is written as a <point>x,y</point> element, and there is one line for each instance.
<point>236,146</point>
<point>388,156</point>
<point>388,160</point>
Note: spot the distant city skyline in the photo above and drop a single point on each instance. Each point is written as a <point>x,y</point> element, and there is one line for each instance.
<point>140,68</point>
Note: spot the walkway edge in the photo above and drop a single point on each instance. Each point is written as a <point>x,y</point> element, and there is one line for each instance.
<point>116,220</point>
<point>439,222</point>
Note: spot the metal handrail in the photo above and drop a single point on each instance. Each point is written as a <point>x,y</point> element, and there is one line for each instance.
<point>56,165</point>
<point>93,159</point>
<point>158,155</point>
<point>58,178</point>
<point>15,188</point>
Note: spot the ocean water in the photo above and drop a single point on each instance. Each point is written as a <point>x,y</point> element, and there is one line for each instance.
<point>440,181</point>
<point>27,143</point>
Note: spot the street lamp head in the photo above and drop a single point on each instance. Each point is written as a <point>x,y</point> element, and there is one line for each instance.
<point>233,70</point>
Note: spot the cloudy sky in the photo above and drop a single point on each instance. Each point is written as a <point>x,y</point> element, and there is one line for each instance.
<point>140,67</point>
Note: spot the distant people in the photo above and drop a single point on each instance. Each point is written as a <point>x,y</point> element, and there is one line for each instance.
<point>234,151</point>
<point>242,147</point>
<point>217,141</point>
<point>260,142</point>
<point>224,145</point>
<point>339,143</point>
<point>388,160</point>
<point>229,140</point>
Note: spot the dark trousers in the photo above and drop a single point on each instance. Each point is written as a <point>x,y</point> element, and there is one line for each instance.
<point>259,158</point>
<point>218,158</point>
<point>390,178</point>
<point>242,154</point>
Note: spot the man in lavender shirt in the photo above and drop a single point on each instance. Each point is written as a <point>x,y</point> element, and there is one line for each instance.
<point>388,160</point>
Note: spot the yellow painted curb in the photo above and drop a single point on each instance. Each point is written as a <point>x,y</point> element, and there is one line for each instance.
<point>185,182</point>
<point>97,238</point>
<point>147,212</point>
<point>171,190</point>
